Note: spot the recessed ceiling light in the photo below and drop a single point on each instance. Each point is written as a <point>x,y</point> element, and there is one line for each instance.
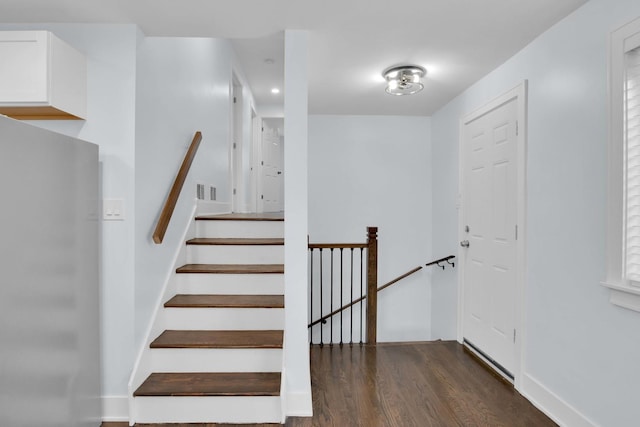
<point>269,61</point>
<point>275,91</point>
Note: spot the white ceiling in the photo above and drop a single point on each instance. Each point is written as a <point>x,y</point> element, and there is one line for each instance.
<point>350,41</point>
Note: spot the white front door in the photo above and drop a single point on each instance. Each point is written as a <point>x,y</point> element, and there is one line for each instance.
<point>489,250</point>
<point>272,168</point>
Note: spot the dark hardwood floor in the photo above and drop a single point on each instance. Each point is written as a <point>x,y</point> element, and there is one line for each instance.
<point>409,384</point>
<point>415,384</point>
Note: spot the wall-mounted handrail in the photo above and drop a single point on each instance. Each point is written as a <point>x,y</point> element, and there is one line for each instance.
<point>324,318</point>
<point>172,198</point>
<point>344,307</point>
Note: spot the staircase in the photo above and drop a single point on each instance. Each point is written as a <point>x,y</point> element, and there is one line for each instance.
<point>215,354</point>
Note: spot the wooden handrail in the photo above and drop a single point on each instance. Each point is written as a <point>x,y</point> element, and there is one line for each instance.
<point>344,307</point>
<point>397,279</point>
<point>178,183</point>
<point>337,245</point>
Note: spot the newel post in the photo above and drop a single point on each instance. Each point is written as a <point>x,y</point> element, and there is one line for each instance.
<point>372,284</point>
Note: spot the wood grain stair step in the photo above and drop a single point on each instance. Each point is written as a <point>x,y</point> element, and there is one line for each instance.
<point>211,384</point>
<point>232,268</point>
<point>235,241</point>
<point>219,339</point>
<point>225,301</point>
<point>266,216</point>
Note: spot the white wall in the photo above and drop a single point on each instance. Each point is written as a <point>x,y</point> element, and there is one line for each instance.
<point>110,123</point>
<point>183,87</point>
<point>580,352</point>
<point>271,110</point>
<point>246,196</point>
<point>375,171</point>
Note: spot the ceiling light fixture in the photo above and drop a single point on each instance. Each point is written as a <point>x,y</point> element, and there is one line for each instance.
<point>404,79</point>
<point>275,91</point>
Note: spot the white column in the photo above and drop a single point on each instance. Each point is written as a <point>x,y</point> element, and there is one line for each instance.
<point>298,380</point>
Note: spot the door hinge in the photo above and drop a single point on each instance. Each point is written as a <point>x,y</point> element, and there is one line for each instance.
<point>234,100</point>
<point>262,163</point>
<point>514,335</point>
<point>234,191</point>
<point>262,196</point>
<point>516,232</point>
<point>517,129</point>
<point>234,145</point>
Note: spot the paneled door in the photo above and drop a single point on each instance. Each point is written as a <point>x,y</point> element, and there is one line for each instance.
<point>489,249</point>
<point>272,169</point>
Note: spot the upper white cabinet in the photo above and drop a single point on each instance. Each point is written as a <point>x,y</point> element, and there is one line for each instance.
<point>41,77</point>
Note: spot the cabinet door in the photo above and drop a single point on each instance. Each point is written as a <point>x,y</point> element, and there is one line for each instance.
<point>23,66</point>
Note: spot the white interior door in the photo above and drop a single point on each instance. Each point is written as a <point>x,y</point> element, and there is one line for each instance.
<point>235,161</point>
<point>273,167</point>
<point>489,251</point>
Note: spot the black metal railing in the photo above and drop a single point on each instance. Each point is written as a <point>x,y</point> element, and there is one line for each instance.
<point>337,276</point>
<point>338,273</point>
<point>341,276</point>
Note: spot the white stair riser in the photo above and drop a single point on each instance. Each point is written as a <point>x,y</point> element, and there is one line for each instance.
<point>231,254</point>
<point>224,318</point>
<point>240,229</point>
<point>216,360</point>
<point>230,284</point>
<point>223,409</point>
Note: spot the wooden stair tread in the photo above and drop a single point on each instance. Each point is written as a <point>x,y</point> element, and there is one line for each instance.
<point>265,216</point>
<point>232,268</point>
<point>235,241</point>
<point>226,301</point>
<point>219,339</point>
<point>211,384</point>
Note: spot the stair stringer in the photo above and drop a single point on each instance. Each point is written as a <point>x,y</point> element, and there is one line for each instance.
<point>142,367</point>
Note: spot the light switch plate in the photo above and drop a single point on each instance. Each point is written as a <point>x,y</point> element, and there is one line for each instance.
<point>113,209</point>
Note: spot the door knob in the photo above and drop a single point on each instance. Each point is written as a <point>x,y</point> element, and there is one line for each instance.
<point>464,243</point>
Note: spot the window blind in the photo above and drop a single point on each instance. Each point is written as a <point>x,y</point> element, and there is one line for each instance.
<point>632,167</point>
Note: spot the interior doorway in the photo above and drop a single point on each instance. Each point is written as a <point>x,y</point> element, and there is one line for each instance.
<point>272,165</point>
<point>235,148</point>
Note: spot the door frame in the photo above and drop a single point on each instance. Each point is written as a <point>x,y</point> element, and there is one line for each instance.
<point>520,94</point>
<point>236,101</point>
<point>255,158</point>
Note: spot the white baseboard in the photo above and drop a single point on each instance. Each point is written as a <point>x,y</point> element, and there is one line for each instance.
<point>552,405</point>
<point>115,408</point>
<point>299,405</point>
